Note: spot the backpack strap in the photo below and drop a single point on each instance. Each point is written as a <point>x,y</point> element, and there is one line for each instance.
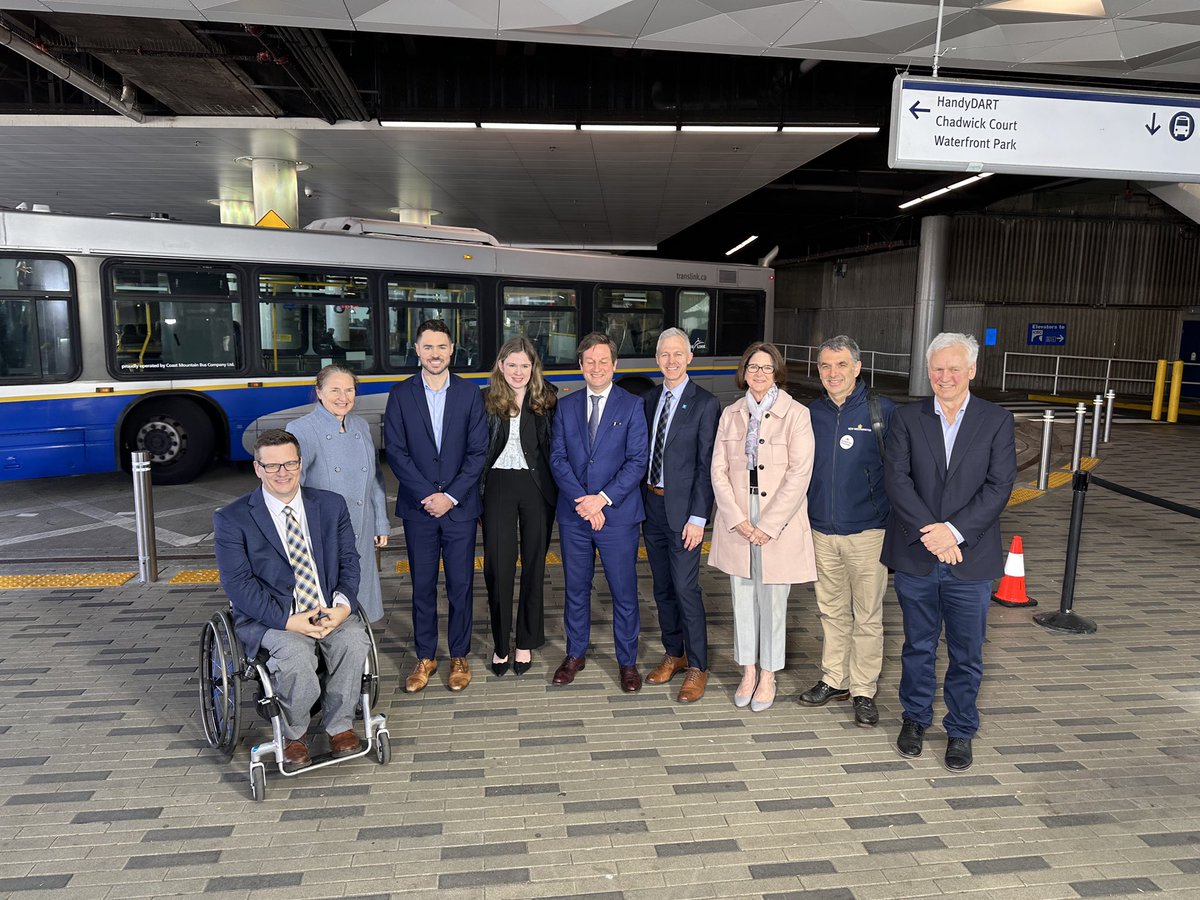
<point>876,410</point>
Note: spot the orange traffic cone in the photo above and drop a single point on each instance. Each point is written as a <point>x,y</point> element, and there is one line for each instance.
<point>1011,591</point>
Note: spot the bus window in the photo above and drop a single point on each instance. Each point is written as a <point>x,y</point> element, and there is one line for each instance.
<point>632,318</point>
<point>412,302</point>
<point>739,321</point>
<point>307,320</point>
<point>694,308</point>
<point>35,326</point>
<point>169,320</point>
<point>547,316</point>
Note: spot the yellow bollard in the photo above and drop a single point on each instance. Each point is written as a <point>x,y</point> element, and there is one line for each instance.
<point>1176,390</point>
<point>1160,385</point>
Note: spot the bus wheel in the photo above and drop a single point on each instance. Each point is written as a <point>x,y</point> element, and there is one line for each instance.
<point>177,435</point>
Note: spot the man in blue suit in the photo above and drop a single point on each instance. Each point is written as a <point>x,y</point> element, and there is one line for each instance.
<point>436,437</point>
<point>289,565</point>
<point>598,457</point>
<point>949,467</point>
<point>678,495</point>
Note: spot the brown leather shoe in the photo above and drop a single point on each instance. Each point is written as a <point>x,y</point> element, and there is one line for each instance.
<point>420,675</point>
<point>571,666</point>
<point>460,673</point>
<point>692,689</point>
<point>295,754</point>
<point>665,670</point>
<point>631,681</point>
<point>345,743</point>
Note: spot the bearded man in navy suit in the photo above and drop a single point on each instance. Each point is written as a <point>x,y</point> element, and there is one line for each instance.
<point>436,438</point>
<point>598,457</point>
<point>289,565</point>
<point>949,467</point>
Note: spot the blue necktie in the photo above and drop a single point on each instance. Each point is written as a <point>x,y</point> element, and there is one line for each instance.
<point>594,418</point>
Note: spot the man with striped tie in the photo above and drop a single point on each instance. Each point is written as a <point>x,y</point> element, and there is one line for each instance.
<point>288,562</point>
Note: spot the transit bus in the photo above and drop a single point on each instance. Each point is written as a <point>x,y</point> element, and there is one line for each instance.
<point>186,341</point>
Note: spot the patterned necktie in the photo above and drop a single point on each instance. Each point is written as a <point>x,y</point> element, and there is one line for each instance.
<point>660,438</point>
<point>308,594</point>
<point>594,419</point>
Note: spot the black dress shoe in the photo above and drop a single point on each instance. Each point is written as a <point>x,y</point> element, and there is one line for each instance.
<point>958,754</point>
<point>911,739</point>
<point>821,693</point>
<point>865,713</point>
<point>499,668</point>
<point>571,666</point>
<point>520,668</point>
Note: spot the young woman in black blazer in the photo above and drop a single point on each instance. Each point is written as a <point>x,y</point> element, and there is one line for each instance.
<point>518,500</point>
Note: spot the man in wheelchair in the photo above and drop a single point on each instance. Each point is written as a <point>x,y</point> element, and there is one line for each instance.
<point>288,562</point>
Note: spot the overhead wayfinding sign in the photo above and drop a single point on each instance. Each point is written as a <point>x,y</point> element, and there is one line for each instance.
<point>1030,129</point>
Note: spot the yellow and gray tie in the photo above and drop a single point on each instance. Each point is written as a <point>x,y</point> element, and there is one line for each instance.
<point>308,594</point>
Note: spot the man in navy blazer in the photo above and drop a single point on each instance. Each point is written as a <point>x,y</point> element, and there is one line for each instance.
<point>598,457</point>
<point>949,467</point>
<point>268,543</point>
<point>681,418</point>
<point>436,437</point>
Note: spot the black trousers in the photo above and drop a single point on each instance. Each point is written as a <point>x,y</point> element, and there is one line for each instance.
<point>514,511</point>
<point>677,595</point>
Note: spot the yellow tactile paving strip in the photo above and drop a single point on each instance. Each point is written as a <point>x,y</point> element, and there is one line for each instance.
<point>196,576</point>
<point>1026,492</point>
<point>1021,494</point>
<point>88,580</point>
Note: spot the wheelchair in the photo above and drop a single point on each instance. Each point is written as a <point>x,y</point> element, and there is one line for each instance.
<point>225,670</point>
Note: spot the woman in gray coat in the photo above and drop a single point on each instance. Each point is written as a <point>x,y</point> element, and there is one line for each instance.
<point>337,455</point>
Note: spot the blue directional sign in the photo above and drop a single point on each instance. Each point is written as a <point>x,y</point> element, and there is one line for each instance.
<point>1047,334</point>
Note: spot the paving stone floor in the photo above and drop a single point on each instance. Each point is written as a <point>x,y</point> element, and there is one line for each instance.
<point>1086,781</point>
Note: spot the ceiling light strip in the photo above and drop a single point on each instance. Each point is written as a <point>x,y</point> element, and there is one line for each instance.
<point>745,243</point>
<point>397,123</point>
<point>830,129</point>
<point>945,190</point>
<point>527,126</point>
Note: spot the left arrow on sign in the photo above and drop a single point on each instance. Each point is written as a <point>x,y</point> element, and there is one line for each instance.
<point>917,108</point>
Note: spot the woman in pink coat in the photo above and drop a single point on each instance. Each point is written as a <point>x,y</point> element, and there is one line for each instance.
<point>760,470</point>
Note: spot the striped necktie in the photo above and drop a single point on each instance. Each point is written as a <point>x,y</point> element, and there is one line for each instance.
<point>308,594</point>
<point>660,438</point>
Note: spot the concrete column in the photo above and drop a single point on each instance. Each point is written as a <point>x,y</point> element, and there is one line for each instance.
<point>235,212</point>
<point>275,189</point>
<point>930,304</point>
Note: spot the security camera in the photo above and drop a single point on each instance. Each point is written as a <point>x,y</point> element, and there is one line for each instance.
<point>309,192</point>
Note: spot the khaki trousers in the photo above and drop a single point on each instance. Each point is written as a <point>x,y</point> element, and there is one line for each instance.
<point>851,582</point>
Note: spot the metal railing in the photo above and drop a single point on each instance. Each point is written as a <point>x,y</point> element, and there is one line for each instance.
<point>873,361</point>
<point>1080,373</point>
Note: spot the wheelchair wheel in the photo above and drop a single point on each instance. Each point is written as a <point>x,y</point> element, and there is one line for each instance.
<point>220,684</point>
<point>383,748</point>
<point>258,783</point>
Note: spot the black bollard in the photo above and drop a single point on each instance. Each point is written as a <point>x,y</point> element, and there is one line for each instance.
<point>1065,621</point>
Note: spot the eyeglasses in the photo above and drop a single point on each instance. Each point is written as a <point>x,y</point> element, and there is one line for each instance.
<point>755,368</point>
<point>292,465</point>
